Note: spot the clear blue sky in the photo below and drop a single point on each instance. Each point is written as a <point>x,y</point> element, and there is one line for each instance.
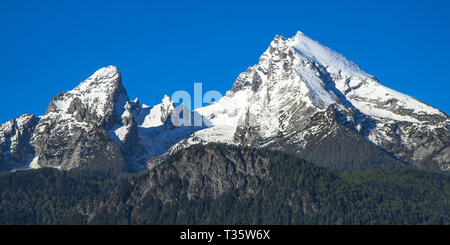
<point>47,47</point>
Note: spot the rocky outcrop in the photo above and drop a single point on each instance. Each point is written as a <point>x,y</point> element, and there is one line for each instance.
<point>205,172</point>
<point>15,149</point>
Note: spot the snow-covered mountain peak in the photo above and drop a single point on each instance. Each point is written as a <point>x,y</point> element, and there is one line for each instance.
<point>102,82</point>
<point>325,77</point>
<point>107,71</point>
<point>98,105</point>
<point>301,89</point>
<point>96,98</point>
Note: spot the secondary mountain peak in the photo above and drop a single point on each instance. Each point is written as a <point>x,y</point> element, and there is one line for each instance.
<point>81,117</point>
<point>93,99</point>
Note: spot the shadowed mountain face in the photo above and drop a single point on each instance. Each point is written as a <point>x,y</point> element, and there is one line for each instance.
<point>222,184</point>
<point>301,98</point>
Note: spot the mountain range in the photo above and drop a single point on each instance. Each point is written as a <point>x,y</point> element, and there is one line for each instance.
<point>301,98</point>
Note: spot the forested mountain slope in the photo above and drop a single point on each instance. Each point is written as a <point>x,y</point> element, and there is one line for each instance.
<point>222,184</point>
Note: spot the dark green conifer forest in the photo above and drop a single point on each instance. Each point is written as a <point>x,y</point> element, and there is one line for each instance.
<point>293,192</point>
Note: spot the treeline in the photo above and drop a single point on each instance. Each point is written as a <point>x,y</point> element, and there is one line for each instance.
<point>45,196</point>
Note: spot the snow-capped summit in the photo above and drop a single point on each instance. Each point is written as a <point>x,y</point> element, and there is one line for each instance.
<point>100,95</point>
<point>75,119</point>
<point>297,80</point>
<point>310,49</point>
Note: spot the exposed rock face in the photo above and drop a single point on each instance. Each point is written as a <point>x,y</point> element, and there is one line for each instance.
<point>206,172</point>
<point>72,133</point>
<point>15,149</point>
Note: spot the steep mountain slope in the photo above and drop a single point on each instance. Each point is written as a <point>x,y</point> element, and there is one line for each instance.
<point>15,149</point>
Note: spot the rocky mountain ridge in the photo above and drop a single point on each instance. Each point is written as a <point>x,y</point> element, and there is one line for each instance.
<point>301,98</point>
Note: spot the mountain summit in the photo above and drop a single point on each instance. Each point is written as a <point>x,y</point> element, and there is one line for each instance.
<point>301,97</point>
